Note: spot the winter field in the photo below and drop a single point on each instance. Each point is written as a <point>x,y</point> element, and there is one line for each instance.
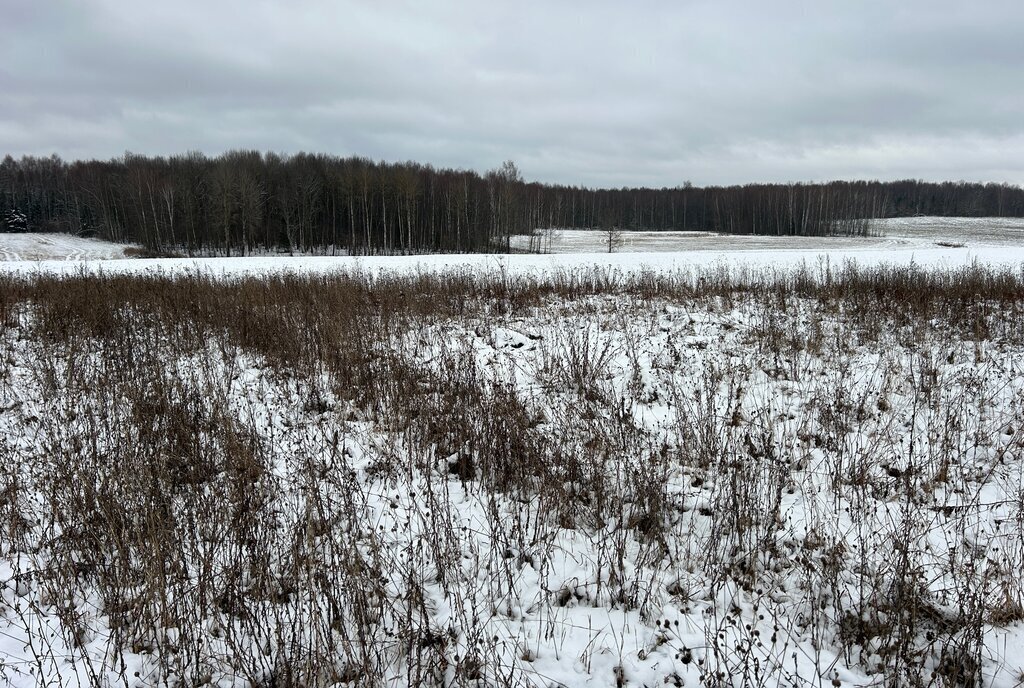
<point>892,235</point>
<point>39,247</point>
<point>770,468</point>
<point>929,241</point>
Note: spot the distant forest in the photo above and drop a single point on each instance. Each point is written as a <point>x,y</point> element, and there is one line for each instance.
<point>245,201</point>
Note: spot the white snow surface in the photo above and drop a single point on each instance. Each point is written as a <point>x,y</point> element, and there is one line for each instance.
<point>33,247</point>
<point>583,604</point>
<point>896,235</point>
<point>552,612</point>
<point>923,241</point>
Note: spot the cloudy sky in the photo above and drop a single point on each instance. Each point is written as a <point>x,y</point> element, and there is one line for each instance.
<point>598,93</point>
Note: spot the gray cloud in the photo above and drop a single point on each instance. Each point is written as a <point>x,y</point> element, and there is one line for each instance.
<point>596,93</point>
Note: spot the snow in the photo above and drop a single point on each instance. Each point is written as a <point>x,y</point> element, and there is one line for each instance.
<point>890,235</point>
<point>537,265</point>
<point>926,242</point>
<point>588,603</point>
<point>556,615</point>
<point>31,247</point>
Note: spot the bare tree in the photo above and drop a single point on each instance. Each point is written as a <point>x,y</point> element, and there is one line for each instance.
<point>613,238</point>
<point>245,200</point>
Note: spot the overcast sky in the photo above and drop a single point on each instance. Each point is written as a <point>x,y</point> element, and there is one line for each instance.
<point>597,93</point>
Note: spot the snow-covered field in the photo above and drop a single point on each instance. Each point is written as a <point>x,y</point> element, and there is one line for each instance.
<point>940,242</point>
<point>474,482</point>
<point>56,247</point>
<point>892,235</point>
<point>569,469</point>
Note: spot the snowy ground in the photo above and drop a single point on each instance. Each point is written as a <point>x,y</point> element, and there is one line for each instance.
<point>941,242</point>
<point>280,486</point>
<point>897,234</point>
<point>244,484</point>
<point>538,265</point>
<point>56,247</point>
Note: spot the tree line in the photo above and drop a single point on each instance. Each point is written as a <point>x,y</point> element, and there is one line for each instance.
<point>245,201</point>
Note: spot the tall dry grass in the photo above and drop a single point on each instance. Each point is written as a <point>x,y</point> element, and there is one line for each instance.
<point>267,479</point>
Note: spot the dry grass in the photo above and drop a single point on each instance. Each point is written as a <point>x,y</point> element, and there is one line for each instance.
<point>269,479</point>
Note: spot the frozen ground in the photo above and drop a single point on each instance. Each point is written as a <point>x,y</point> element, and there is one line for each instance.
<point>56,247</point>
<point>897,234</point>
<point>607,490</point>
<point>274,488</point>
<point>941,242</point>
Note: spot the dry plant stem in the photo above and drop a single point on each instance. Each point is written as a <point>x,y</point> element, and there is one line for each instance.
<point>461,480</point>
